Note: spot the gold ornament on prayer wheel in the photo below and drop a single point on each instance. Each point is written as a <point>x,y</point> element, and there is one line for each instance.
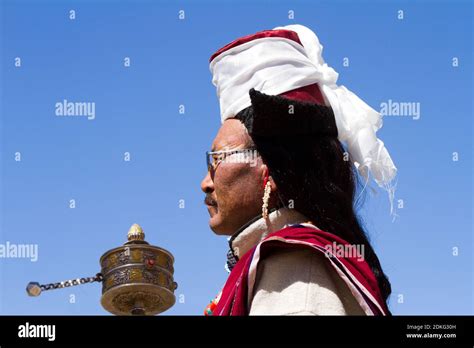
<point>137,278</point>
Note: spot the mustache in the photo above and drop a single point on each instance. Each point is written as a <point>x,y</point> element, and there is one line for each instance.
<point>209,201</point>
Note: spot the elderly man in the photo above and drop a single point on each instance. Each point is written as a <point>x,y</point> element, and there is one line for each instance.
<point>281,183</point>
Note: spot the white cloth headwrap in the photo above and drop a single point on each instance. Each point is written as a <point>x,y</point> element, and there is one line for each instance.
<point>274,65</point>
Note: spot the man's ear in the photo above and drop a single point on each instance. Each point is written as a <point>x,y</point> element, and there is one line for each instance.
<point>272,183</point>
<point>265,172</point>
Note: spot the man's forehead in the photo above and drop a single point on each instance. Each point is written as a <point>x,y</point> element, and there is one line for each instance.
<point>230,141</point>
<point>232,134</point>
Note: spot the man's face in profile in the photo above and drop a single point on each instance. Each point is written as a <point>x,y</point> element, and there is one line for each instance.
<point>233,190</point>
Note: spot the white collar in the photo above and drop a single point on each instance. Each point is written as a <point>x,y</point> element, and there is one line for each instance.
<point>243,240</point>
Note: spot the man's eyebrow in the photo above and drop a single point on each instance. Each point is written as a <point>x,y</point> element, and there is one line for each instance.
<point>218,148</point>
<point>227,147</point>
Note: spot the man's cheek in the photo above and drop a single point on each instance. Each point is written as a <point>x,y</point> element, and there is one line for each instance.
<point>219,198</point>
<point>221,190</point>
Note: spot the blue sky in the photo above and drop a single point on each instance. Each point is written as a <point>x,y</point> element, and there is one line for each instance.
<point>137,111</point>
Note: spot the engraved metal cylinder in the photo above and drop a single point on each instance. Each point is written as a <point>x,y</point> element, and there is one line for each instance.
<point>137,279</point>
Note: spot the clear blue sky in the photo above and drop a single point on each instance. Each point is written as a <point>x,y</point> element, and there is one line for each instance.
<point>63,158</point>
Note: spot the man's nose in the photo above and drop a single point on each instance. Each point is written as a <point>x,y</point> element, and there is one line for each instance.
<point>207,185</point>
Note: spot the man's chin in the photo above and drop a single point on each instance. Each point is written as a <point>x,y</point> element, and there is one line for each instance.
<point>217,226</point>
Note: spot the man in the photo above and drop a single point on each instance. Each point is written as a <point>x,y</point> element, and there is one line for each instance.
<point>281,182</point>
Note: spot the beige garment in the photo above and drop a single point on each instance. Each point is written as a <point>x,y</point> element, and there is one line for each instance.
<point>294,281</point>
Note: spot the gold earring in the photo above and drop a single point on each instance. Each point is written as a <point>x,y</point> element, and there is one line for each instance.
<point>266,198</point>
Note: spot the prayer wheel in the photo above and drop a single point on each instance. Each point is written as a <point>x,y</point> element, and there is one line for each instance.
<point>137,278</point>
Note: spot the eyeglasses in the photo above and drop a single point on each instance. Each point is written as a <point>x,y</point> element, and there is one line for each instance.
<point>214,158</point>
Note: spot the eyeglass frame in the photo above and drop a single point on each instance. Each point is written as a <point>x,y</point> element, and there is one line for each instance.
<point>212,168</point>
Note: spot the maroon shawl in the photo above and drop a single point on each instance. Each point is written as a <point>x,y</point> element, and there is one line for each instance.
<point>356,273</point>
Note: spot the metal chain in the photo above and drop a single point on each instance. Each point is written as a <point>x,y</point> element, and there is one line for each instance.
<point>64,284</point>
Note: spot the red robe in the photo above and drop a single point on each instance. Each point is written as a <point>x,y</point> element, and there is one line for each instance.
<point>356,273</point>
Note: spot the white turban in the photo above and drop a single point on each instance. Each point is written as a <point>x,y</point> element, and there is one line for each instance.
<point>274,65</point>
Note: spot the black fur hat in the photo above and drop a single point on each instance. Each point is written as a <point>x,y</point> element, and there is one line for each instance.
<point>274,115</point>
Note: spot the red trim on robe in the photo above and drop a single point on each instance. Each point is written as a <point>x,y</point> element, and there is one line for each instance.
<point>234,297</point>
